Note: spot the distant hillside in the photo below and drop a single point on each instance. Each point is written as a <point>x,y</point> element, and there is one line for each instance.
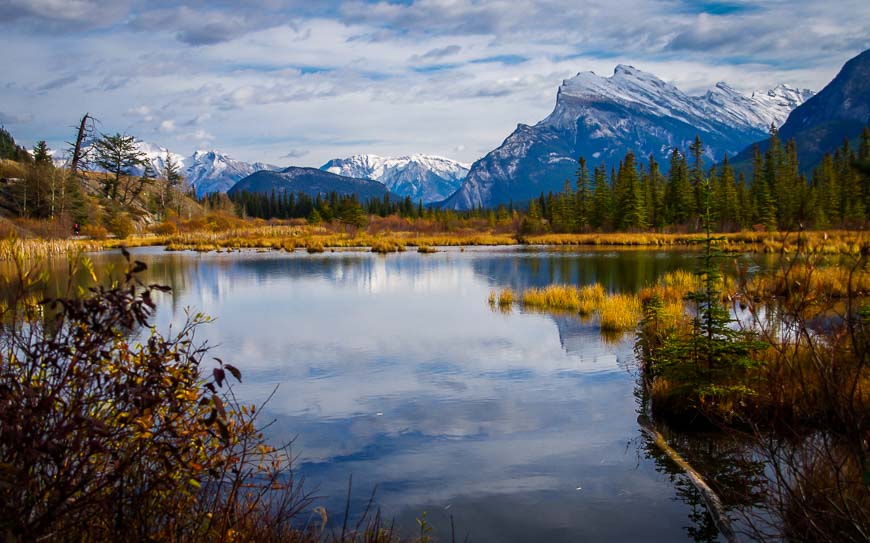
<point>310,181</point>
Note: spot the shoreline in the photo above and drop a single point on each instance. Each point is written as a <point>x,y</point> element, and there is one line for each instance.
<point>318,239</point>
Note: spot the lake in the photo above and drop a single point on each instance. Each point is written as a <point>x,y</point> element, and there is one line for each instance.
<point>395,370</point>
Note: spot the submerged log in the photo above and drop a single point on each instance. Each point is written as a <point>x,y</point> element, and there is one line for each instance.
<point>712,501</point>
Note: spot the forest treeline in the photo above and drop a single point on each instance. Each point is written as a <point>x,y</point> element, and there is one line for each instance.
<point>774,195</point>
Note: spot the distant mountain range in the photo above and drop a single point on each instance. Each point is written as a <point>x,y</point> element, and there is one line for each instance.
<point>310,181</point>
<point>602,118</point>
<point>206,171</point>
<point>839,111</point>
<point>420,177</point>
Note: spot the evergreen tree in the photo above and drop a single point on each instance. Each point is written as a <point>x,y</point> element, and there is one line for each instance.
<point>727,206</point>
<point>629,195</point>
<point>118,156</point>
<point>679,196</point>
<point>656,207</point>
<point>765,205</point>
<point>696,176</point>
<point>600,216</point>
<point>583,198</point>
<point>41,154</point>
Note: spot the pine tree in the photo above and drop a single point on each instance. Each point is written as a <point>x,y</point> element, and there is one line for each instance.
<point>727,206</point>
<point>583,196</point>
<point>118,156</point>
<point>679,197</point>
<point>765,205</point>
<point>629,196</point>
<point>600,216</point>
<point>656,207</point>
<point>696,175</point>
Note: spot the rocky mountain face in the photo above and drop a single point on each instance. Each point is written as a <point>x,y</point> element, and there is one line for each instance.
<point>839,111</point>
<point>601,118</point>
<point>310,181</point>
<point>420,177</point>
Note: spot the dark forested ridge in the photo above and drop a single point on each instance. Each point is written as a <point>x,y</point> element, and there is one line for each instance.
<point>309,181</point>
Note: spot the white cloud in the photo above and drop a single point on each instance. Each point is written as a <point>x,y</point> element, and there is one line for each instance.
<point>386,78</point>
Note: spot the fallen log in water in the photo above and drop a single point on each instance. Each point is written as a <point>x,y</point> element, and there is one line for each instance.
<point>714,504</point>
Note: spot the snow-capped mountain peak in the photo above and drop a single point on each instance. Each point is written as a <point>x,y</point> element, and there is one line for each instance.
<point>758,110</point>
<point>422,177</point>
<point>205,170</point>
<point>601,118</point>
<point>213,171</point>
<point>643,91</point>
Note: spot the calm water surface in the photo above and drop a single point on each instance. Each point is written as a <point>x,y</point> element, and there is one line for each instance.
<point>520,426</point>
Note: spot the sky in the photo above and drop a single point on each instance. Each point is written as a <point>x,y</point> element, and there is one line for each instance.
<point>299,82</point>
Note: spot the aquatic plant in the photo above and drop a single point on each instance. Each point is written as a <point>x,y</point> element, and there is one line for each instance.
<point>619,312</point>
<point>506,297</point>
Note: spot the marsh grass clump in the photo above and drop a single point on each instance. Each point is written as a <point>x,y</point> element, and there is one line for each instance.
<point>426,249</point>
<point>506,298</point>
<point>591,297</point>
<point>384,246</point>
<point>552,297</point>
<point>619,312</point>
<point>314,246</point>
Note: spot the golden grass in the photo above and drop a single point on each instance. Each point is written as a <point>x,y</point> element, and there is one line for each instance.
<point>555,297</point>
<point>619,312</point>
<point>46,248</point>
<point>591,297</point>
<point>506,297</point>
<point>616,312</point>
<point>831,242</point>
<point>220,230</point>
<point>384,246</point>
<point>831,281</point>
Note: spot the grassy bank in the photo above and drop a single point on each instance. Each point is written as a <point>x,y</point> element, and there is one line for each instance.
<point>224,234</point>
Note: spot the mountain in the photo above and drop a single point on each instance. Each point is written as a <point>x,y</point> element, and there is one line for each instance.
<point>311,181</point>
<point>156,156</point>
<point>601,118</point>
<point>421,177</point>
<point>206,171</point>
<point>819,125</point>
<point>211,171</point>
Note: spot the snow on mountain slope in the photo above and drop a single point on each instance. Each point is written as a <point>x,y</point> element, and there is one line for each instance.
<point>420,177</point>
<point>601,118</point>
<point>211,171</point>
<point>646,93</point>
<point>205,171</point>
<point>760,110</point>
<point>156,156</point>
